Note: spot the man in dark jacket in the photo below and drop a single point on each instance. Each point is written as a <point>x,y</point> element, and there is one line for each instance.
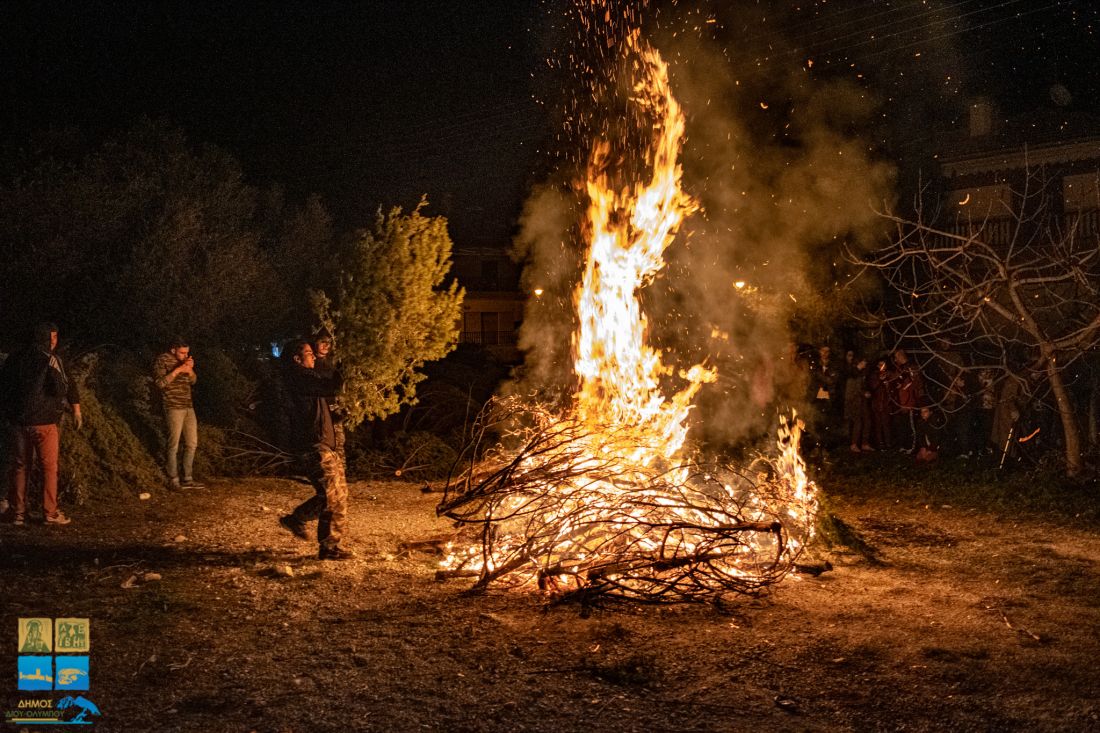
<point>325,355</point>
<point>310,393</point>
<point>35,392</point>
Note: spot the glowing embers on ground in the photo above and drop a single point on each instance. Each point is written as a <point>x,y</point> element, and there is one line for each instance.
<point>599,501</point>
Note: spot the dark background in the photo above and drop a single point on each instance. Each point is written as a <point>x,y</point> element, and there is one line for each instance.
<point>365,103</point>
<point>371,103</point>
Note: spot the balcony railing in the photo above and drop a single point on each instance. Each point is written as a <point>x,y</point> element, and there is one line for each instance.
<point>489,338</point>
<point>999,232</point>
<point>994,231</point>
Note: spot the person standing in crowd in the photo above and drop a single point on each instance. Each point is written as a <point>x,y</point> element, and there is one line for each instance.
<point>879,383</point>
<point>982,433</point>
<point>35,392</point>
<point>908,396</point>
<point>798,375</point>
<point>823,385</point>
<point>857,405</point>
<point>928,436</point>
<point>311,393</point>
<point>959,407</point>
<point>1005,414</point>
<point>174,375</point>
<point>842,373</point>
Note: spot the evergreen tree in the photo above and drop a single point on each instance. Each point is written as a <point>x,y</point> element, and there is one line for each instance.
<point>392,311</point>
<point>148,236</point>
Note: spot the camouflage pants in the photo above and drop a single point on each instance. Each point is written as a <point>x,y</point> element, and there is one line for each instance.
<point>341,438</point>
<point>330,504</point>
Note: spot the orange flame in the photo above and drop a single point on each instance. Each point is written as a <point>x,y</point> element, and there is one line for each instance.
<point>657,509</point>
<point>628,232</point>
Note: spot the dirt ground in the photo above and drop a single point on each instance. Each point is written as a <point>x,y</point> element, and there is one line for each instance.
<point>970,622</point>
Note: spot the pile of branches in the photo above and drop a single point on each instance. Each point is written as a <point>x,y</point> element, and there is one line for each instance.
<point>569,508</point>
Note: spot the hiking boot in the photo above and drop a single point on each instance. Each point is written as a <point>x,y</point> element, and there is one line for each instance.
<point>295,527</point>
<point>188,483</point>
<point>58,518</point>
<point>173,484</point>
<point>335,553</point>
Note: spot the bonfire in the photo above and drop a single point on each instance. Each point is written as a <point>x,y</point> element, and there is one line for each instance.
<point>604,498</point>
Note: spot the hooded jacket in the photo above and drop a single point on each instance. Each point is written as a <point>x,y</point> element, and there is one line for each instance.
<point>34,387</point>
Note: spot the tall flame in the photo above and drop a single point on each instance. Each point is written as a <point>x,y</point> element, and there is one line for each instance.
<point>628,233</point>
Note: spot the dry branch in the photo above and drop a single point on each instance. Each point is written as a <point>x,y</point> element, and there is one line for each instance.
<point>570,509</point>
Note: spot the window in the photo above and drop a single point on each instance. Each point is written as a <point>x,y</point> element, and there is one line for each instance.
<point>490,275</point>
<point>471,328</point>
<point>489,332</point>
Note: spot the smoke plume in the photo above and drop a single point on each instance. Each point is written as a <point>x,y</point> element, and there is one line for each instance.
<point>786,178</point>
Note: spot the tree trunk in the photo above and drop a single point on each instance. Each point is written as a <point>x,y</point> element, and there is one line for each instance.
<point>1074,463</point>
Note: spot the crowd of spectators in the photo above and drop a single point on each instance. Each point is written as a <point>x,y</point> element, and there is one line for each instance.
<point>885,403</point>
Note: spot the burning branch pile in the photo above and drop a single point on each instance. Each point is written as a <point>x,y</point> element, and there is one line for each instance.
<point>566,508</point>
<point>601,500</point>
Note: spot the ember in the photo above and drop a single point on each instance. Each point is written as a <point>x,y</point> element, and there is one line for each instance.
<point>602,501</point>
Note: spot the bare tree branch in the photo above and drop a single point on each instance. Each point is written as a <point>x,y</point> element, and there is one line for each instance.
<point>1021,282</point>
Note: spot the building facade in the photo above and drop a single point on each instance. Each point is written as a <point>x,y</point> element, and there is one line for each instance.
<point>995,174</point>
<point>493,308</point>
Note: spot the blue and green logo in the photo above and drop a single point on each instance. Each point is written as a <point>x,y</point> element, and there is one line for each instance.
<point>71,673</point>
<point>53,657</point>
<point>35,672</point>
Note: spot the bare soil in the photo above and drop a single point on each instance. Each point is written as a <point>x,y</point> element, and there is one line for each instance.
<point>967,622</point>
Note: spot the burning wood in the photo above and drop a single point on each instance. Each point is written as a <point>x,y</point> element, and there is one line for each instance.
<point>567,510</point>
<point>601,500</point>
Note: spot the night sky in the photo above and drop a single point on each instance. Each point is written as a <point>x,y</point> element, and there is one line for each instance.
<point>378,102</point>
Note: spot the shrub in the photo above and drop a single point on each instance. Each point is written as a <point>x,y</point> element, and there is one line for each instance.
<point>104,459</point>
<point>391,311</point>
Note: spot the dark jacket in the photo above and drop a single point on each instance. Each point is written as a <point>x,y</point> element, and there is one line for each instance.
<point>309,393</point>
<point>855,386</point>
<point>34,387</point>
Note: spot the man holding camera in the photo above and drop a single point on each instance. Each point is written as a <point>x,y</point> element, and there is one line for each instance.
<point>325,365</point>
<point>310,392</point>
<point>174,374</point>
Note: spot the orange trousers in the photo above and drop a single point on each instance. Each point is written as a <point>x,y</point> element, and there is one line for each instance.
<point>26,442</point>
